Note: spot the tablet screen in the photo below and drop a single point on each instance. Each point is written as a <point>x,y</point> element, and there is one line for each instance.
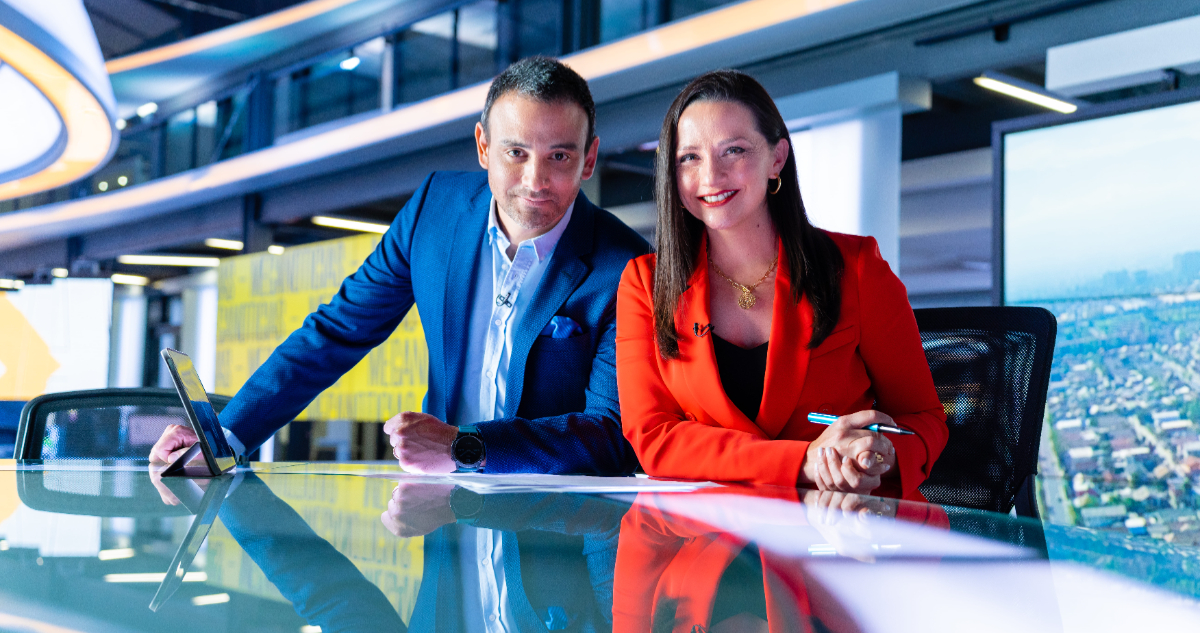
<point>190,387</point>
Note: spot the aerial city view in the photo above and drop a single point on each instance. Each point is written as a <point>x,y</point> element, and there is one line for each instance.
<point>1123,423</point>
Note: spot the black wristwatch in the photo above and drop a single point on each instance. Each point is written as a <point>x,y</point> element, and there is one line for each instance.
<point>467,450</point>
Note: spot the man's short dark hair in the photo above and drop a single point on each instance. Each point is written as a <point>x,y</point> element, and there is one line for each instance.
<point>545,79</point>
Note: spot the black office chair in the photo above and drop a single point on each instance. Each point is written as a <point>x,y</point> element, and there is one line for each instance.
<point>991,367</point>
<point>99,424</point>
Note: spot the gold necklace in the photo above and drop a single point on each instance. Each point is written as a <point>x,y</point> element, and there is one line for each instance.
<point>747,300</point>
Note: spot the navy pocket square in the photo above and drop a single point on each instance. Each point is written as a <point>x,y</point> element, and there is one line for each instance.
<point>561,327</point>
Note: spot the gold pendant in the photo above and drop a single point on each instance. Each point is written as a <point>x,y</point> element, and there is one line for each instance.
<point>747,300</point>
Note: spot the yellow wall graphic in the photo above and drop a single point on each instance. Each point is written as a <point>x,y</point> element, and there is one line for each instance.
<point>345,511</point>
<point>25,360</point>
<point>262,298</point>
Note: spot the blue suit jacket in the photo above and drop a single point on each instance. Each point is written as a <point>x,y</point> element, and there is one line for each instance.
<point>561,410</point>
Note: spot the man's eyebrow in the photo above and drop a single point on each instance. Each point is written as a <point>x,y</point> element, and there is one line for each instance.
<point>515,143</point>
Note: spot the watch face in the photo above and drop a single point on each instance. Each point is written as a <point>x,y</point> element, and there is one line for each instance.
<point>468,450</point>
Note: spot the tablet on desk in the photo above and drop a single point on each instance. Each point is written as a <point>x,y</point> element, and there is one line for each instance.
<point>217,454</point>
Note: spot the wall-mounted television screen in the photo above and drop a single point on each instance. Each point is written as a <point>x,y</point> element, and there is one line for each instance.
<point>1099,217</point>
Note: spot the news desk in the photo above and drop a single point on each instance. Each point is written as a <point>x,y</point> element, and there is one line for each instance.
<point>302,547</point>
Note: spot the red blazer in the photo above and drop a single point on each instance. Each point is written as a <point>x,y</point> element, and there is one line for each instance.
<point>681,424</point>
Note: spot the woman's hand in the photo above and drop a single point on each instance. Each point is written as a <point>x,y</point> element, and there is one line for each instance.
<point>848,458</point>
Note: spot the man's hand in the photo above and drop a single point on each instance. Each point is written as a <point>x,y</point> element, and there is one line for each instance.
<point>174,441</point>
<point>421,442</point>
<point>418,509</point>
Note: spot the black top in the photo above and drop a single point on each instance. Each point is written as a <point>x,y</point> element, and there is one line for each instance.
<point>743,372</point>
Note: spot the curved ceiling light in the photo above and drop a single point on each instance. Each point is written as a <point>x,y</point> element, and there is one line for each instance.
<point>58,115</point>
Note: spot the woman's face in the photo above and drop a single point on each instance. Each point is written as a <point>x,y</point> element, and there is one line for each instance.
<point>722,164</point>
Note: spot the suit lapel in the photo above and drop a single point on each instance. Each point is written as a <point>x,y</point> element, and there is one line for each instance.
<point>563,275</point>
<point>787,355</point>
<point>697,354</point>
<point>459,286</point>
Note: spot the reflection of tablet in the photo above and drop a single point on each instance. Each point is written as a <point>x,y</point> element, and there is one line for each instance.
<point>205,504</point>
<point>218,455</point>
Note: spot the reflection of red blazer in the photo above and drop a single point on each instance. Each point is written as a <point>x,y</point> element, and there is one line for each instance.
<point>668,561</point>
<point>681,424</point>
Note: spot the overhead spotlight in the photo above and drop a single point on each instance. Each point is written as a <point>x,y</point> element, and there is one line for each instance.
<point>103,186</point>
<point>1025,91</point>
<point>230,245</point>
<point>121,124</point>
<point>11,284</point>
<point>349,225</point>
<point>146,109</point>
<point>169,260</point>
<point>275,249</point>
<point>59,272</point>
<point>129,280</point>
<point>350,64</point>
<point>122,180</point>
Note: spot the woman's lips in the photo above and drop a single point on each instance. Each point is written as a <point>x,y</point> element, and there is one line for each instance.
<point>719,198</point>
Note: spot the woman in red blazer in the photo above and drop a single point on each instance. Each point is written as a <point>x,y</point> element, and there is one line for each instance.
<point>748,318</point>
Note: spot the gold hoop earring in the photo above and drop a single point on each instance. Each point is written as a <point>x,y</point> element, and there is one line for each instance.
<point>778,184</point>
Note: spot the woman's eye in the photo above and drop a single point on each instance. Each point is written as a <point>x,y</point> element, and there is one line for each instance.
<point>686,157</point>
<point>735,150</point>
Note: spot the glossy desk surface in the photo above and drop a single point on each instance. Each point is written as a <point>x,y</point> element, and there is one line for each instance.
<point>364,547</point>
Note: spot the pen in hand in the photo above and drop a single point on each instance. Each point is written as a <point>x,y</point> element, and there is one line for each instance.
<point>821,418</point>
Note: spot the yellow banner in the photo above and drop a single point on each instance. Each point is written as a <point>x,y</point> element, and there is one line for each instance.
<point>262,298</point>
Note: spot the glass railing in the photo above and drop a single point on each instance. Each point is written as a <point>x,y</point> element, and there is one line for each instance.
<point>459,47</point>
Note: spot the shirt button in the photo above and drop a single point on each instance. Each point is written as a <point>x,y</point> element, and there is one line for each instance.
<point>499,322</point>
<point>489,374</point>
<point>492,617</point>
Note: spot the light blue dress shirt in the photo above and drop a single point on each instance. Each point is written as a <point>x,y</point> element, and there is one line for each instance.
<point>503,292</point>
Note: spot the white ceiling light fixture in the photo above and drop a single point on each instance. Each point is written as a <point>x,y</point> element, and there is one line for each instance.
<point>129,280</point>
<point>169,260</point>
<point>58,115</point>
<point>1026,91</point>
<point>146,109</point>
<point>349,225</point>
<point>229,245</point>
<point>350,64</point>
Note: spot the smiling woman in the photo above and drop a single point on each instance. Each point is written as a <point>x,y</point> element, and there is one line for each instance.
<point>58,105</point>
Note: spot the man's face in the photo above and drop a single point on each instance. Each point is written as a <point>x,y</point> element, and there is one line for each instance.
<point>535,157</point>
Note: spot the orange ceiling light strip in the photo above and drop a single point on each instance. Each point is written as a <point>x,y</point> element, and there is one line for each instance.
<point>227,35</point>
<point>685,35</point>
<point>89,131</point>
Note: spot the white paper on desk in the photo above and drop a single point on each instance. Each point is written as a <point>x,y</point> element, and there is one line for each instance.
<point>492,484</point>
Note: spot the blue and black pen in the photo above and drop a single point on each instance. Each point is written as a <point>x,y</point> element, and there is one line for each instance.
<point>821,418</point>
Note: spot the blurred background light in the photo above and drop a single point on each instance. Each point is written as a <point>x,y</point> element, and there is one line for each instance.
<point>57,114</point>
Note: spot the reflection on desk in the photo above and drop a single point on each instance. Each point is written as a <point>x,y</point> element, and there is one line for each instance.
<point>85,550</point>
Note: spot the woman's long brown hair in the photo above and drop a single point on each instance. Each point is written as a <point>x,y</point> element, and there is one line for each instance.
<point>814,260</point>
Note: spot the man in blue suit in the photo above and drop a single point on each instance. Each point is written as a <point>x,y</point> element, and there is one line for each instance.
<point>515,274</point>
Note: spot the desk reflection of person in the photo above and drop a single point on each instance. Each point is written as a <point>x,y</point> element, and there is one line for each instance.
<point>679,574</point>
<point>324,587</point>
<point>748,318</point>
<point>510,562</point>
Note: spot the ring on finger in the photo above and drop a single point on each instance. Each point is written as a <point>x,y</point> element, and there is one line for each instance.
<point>878,458</point>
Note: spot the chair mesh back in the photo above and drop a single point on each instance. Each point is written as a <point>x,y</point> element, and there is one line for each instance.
<point>106,424</point>
<point>991,367</point>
